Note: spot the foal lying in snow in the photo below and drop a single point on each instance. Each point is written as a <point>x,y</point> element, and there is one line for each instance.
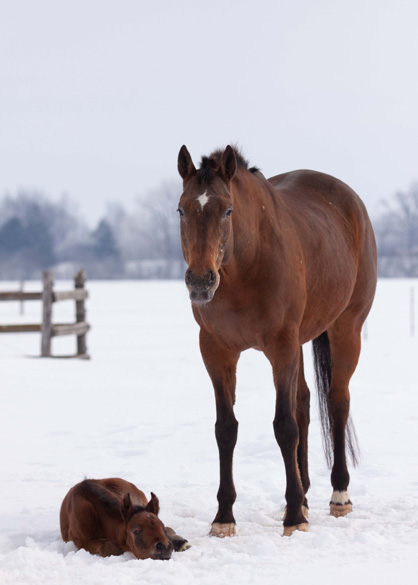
<point>112,516</point>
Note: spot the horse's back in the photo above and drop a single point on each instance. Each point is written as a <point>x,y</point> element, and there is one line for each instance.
<point>311,190</point>
<point>120,487</point>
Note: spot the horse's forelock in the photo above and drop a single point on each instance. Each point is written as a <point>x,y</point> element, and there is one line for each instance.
<point>210,164</point>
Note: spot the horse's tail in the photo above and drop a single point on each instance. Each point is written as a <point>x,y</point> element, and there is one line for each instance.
<point>323,371</point>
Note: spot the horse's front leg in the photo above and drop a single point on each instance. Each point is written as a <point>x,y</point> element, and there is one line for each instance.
<point>221,365</point>
<point>285,361</point>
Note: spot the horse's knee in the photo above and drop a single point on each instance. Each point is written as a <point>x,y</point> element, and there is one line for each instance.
<point>226,431</point>
<point>286,431</point>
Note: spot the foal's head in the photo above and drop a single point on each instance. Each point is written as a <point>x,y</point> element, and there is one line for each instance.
<point>205,210</point>
<point>145,533</point>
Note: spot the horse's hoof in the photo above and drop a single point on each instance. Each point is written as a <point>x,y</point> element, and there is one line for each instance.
<point>340,504</point>
<point>185,546</point>
<point>221,530</point>
<point>289,530</point>
<point>338,510</point>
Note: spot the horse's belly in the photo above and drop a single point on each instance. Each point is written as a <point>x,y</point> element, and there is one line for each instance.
<point>320,313</point>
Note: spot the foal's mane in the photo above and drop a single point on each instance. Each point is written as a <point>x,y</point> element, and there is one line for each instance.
<point>209,164</point>
<point>135,510</point>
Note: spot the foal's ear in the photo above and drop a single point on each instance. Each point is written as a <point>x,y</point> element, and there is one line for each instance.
<point>185,164</point>
<point>153,505</point>
<point>228,164</point>
<point>127,506</point>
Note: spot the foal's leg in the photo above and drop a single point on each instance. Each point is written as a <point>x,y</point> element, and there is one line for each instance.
<point>221,365</point>
<point>303,418</point>
<point>179,543</point>
<point>99,546</point>
<point>345,343</point>
<point>285,361</point>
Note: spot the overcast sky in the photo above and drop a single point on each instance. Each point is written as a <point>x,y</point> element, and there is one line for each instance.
<point>98,96</point>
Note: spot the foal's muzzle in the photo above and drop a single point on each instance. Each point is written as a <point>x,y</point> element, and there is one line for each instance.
<point>163,551</point>
<point>201,288</point>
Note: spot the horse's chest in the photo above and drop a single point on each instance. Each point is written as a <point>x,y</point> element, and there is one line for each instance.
<point>240,327</point>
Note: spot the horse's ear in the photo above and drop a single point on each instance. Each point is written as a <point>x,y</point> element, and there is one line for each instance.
<point>153,505</point>
<point>228,164</point>
<point>185,164</point>
<point>127,506</point>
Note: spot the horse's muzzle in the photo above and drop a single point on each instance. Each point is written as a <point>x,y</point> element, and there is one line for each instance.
<point>201,288</point>
<point>163,551</point>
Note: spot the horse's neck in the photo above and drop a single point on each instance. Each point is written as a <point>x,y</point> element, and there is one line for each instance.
<point>257,213</point>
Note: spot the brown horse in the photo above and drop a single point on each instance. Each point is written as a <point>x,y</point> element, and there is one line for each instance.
<point>112,516</point>
<point>273,264</point>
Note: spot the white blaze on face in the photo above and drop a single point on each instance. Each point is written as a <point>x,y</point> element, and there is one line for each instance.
<point>203,199</point>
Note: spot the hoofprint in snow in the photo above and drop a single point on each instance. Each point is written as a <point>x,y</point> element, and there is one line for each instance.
<point>143,409</point>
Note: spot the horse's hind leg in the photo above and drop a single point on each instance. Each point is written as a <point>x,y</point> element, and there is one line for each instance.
<point>302,417</point>
<point>284,355</point>
<point>345,344</point>
<point>221,365</point>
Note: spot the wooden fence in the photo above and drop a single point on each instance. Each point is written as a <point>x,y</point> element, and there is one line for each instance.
<point>47,329</point>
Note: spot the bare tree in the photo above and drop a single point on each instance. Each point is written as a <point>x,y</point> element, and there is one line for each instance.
<point>397,235</point>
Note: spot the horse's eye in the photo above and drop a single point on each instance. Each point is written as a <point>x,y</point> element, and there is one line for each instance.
<point>136,532</point>
<point>180,211</point>
<point>228,212</point>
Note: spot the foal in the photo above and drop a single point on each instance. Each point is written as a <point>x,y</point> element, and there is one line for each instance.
<point>112,516</point>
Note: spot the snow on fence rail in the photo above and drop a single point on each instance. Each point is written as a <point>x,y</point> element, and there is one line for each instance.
<point>47,329</point>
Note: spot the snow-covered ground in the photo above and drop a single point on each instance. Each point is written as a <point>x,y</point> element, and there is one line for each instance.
<point>143,409</point>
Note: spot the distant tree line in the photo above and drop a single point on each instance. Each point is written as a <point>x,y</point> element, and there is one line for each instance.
<point>396,231</point>
<point>37,234</point>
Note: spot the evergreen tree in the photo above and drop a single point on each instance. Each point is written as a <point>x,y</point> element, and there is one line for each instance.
<point>13,236</point>
<point>104,242</point>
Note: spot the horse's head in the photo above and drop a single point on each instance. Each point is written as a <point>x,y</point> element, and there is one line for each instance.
<point>145,533</point>
<point>205,210</point>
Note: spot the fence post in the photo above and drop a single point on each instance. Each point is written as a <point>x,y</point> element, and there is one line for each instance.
<point>22,285</point>
<point>46,330</point>
<point>80,310</point>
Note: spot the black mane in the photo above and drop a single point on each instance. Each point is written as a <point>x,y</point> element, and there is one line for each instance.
<point>209,164</point>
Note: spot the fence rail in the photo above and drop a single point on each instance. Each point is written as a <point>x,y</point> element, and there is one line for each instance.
<point>47,329</point>
<point>20,296</point>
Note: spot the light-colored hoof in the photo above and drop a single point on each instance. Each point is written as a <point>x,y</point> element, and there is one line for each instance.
<point>338,510</point>
<point>222,530</point>
<point>184,547</point>
<point>289,530</point>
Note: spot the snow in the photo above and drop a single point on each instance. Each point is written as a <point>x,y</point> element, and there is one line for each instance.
<point>142,409</point>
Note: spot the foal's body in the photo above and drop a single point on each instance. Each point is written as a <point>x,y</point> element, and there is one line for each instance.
<point>112,516</point>
<point>294,262</point>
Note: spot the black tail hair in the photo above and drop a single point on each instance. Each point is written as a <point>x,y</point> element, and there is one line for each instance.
<point>323,371</point>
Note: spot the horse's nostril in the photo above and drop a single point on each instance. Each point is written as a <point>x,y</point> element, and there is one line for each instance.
<point>212,277</point>
<point>189,274</point>
<point>160,546</point>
